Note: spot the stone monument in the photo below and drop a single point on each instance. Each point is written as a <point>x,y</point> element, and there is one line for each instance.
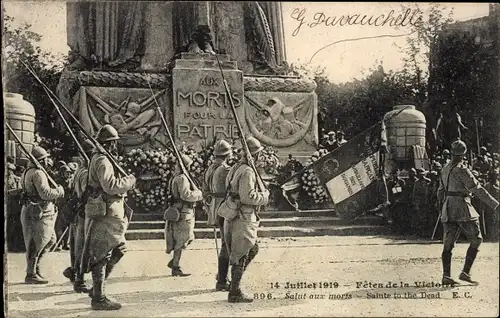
<point>118,49</point>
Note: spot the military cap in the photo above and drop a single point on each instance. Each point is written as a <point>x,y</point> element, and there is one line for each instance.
<point>413,170</point>
<point>340,132</point>
<point>458,148</point>
<point>483,148</point>
<point>254,145</point>
<point>39,153</point>
<point>222,148</point>
<point>107,133</point>
<point>73,166</point>
<point>446,151</point>
<point>433,173</point>
<point>421,170</point>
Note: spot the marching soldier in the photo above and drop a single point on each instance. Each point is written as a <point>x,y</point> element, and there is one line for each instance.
<point>106,220</point>
<point>215,187</point>
<point>457,213</point>
<point>77,225</point>
<point>179,234</point>
<point>240,233</point>
<point>38,215</point>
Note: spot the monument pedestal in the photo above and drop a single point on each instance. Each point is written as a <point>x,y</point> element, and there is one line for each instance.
<point>201,106</point>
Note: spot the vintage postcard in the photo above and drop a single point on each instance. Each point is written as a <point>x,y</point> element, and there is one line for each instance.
<point>251,158</point>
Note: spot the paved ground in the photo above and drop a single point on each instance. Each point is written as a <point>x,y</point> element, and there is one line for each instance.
<point>143,285</point>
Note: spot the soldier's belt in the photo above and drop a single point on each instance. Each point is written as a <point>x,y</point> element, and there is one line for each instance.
<point>189,205</point>
<point>456,194</point>
<point>217,195</point>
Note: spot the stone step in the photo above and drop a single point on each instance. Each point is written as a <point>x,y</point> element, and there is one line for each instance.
<point>273,222</point>
<point>139,217</point>
<point>277,231</point>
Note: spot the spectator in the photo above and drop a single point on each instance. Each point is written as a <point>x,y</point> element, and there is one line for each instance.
<point>340,138</point>
<point>331,142</point>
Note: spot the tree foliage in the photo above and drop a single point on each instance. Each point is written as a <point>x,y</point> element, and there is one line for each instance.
<point>21,43</point>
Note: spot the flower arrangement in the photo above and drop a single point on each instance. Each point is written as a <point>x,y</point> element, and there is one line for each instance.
<point>154,169</point>
<point>311,185</point>
<point>269,161</point>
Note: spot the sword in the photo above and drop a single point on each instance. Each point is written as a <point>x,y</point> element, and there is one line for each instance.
<point>60,239</point>
<point>437,223</point>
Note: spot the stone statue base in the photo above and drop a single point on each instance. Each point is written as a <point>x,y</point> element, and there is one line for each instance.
<point>280,111</point>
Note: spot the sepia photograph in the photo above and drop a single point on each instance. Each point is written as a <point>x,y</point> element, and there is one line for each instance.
<point>251,159</point>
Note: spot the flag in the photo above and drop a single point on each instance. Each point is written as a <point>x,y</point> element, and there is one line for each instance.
<point>352,173</point>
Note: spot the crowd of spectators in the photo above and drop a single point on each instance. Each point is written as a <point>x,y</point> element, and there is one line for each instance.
<point>414,204</point>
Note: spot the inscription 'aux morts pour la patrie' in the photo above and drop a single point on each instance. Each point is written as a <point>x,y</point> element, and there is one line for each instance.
<point>204,109</point>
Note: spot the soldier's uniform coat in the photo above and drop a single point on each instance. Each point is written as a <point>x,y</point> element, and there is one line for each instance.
<point>241,232</point>
<point>457,212</point>
<point>180,234</point>
<point>38,216</point>
<point>107,232</point>
<point>215,188</point>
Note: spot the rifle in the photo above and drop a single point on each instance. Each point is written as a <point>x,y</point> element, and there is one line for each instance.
<point>170,137</point>
<point>260,182</point>
<point>53,97</point>
<point>31,157</point>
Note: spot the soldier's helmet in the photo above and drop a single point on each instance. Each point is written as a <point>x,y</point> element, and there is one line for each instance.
<point>458,148</point>
<point>186,161</point>
<point>39,153</point>
<point>446,151</point>
<point>413,171</point>
<point>254,145</point>
<point>107,133</point>
<point>222,148</point>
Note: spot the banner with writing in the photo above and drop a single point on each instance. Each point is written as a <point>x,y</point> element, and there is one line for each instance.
<point>351,173</point>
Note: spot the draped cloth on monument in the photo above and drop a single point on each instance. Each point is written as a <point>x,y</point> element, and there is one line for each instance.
<point>185,21</point>
<point>106,32</point>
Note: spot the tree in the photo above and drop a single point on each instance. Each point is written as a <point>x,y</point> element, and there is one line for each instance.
<point>21,43</point>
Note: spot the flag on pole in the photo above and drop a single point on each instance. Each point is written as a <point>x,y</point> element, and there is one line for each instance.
<point>352,173</point>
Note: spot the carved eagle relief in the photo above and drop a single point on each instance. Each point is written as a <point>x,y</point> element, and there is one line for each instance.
<point>276,124</point>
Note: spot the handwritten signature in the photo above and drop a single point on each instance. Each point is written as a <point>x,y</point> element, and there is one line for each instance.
<point>410,17</point>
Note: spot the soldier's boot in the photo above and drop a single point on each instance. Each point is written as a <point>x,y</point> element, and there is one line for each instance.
<point>99,299</point>
<point>235,293</point>
<point>31,276</point>
<point>116,256</point>
<point>79,285</point>
<point>69,273</point>
<point>176,269</point>
<point>251,255</point>
<point>469,260</point>
<point>446,258</point>
<point>38,262</point>
<point>222,282</point>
